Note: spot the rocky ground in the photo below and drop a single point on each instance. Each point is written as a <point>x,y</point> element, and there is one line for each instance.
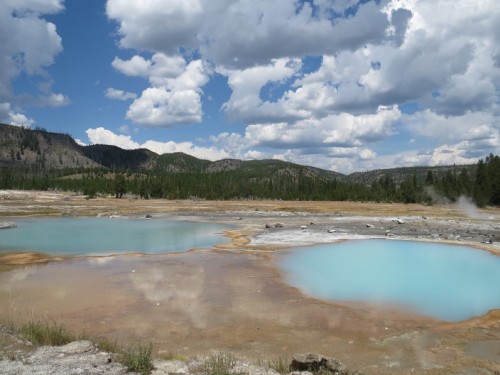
<point>19,357</point>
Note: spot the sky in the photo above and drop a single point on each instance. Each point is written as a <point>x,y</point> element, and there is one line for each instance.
<point>344,85</point>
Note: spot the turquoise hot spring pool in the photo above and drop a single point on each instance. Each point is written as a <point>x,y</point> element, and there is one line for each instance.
<point>450,283</point>
<point>105,236</point>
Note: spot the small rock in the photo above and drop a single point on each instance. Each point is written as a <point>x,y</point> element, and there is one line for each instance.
<point>268,226</point>
<point>370,226</point>
<point>7,225</point>
<point>303,227</point>
<point>279,225</point>
<point>149,216</point>
<point>170,367</point>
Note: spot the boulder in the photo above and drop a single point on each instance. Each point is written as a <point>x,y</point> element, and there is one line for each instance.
<point>80,357</point>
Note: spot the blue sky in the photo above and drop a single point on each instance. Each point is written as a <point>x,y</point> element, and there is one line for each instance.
<point>345,85</point>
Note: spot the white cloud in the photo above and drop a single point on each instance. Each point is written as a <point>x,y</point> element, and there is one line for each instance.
<point>245,33</point>
<point>207,153</point>
<point>35,6</point>
<point>470,126</point>
<point>342,130</point>
<point>28,43</point>
<point>124,129</point>
<point>245,102</point>
<point>101,135</point>
<point>112,93</point>
<point>175,94</point>
<point>139,20</point>
<point>11,117</point>
<point>439,58</point>
<point>137,66</point>
<point>442,155</point>
<point>159,107</point>
<point>54,100</point>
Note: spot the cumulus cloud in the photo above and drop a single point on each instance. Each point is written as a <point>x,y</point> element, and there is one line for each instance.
<point>101,135</point>
<point>112,93</point>
<point>54,100</point>
<point>174,96</point>
<point>138,23</point>
<point>249,33</point>
<point>245,33</point>
<point>472,126</point>
<point>246,87</point>
<point>28,44</point>
<point>374,61</point>
<point>342,130</point>
<point>12,117</point>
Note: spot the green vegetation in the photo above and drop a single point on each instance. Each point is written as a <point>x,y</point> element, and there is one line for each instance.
<point>139,358</point>
<point>58,163</point>
<point>259,180</point>
<point>40,333</point>
<point>219,364</point>
<point>278,364</point>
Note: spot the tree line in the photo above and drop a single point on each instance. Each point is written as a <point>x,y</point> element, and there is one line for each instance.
<point>483,187</point>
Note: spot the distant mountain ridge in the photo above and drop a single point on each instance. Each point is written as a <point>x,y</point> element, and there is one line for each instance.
<point>38,148</point>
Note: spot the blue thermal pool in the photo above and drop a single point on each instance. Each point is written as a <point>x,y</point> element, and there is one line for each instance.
<point>450,283</point>
<point>104,236</point>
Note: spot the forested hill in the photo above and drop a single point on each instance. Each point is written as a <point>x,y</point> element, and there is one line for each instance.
<point>38,159</point>
<point>38,148</point>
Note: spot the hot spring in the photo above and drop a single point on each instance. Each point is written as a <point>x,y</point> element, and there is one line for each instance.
<point>104,236</point>
<point>450,283</point>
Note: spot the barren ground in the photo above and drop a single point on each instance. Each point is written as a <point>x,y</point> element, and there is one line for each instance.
<point>232,298</point>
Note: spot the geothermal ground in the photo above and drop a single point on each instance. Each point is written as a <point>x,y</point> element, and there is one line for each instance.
<point>232,297</point>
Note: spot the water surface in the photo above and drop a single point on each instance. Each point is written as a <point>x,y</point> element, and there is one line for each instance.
<point>104,236</point>
<point>450,283</point>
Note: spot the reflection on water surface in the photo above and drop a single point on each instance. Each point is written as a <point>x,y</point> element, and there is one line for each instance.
<point>101,236</point>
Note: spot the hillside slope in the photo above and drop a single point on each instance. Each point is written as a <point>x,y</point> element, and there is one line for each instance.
<point>21,147</point>
<point>40,149</point>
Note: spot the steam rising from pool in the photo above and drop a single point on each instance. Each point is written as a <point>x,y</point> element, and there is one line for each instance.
<point>470,209</point>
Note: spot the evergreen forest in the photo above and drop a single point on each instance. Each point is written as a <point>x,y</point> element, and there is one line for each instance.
<point>480,182</point>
